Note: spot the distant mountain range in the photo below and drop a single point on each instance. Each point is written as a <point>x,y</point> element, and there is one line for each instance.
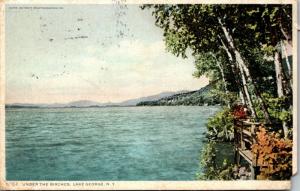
<point>133,102</point>
<point>202,96</point>
<point>88,103</point>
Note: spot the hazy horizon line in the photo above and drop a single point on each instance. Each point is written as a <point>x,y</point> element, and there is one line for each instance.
<point>101,102</point>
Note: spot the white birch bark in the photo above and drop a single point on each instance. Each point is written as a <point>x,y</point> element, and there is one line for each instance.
<point>286,56</point>
<point>241,92</point>
<point>222,75</point>
<point>239,60</point>
<point>279,76</point>
<point>244,68</point>
<point>279,82</point>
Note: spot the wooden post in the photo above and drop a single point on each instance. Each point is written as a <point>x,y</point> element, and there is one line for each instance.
<point>243,146</point>
<point>254,172</point>
<point>253,133</point>
<point>237,157</point>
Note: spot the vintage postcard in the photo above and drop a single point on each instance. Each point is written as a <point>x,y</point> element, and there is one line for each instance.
<point>148,95</point>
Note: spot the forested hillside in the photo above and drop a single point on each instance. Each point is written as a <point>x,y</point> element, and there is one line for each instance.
<point>203,96</point>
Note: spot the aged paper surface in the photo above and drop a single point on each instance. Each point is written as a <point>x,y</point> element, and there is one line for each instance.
<point>74,72</point>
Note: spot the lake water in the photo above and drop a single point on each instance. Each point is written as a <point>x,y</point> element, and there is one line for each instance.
<point>113,143</point>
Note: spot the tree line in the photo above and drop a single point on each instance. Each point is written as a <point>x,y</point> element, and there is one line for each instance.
<point>245,46</point>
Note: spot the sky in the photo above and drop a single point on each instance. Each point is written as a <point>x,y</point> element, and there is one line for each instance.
<point>102,53</point>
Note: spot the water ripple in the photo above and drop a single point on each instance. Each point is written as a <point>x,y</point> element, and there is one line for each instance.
<point>118,143</point>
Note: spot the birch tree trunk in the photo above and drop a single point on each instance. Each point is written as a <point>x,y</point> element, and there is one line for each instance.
<point>242,97</point>
<point>245,72</point>
<point>241,89</point>
<point>284,50</point>
<point>244,82</point>
<point>279,82</point>
<point>223,76</point>
<point>278,71</point>
<point>286,35</point>
<point>246,90</point>
<point>226,91</point>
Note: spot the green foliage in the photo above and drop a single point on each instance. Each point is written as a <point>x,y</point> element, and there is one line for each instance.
<point>208,162</point>
<point>224,98</point>
<point>262,70</point>
<point>256,31</point>
<point>222,38</point>
<point>277,108</point>
<point>206,66</point>
<point>210,169</point>
<point>220,127</point>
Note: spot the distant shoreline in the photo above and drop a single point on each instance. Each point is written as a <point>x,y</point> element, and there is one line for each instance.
<point>41,107</point>
<point>199,97</point>
<point>109,106</point>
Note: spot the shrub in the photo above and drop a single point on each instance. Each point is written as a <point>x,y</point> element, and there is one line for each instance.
<point>274,154</point>
<point>220,127</point>
<point>210,169</point>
